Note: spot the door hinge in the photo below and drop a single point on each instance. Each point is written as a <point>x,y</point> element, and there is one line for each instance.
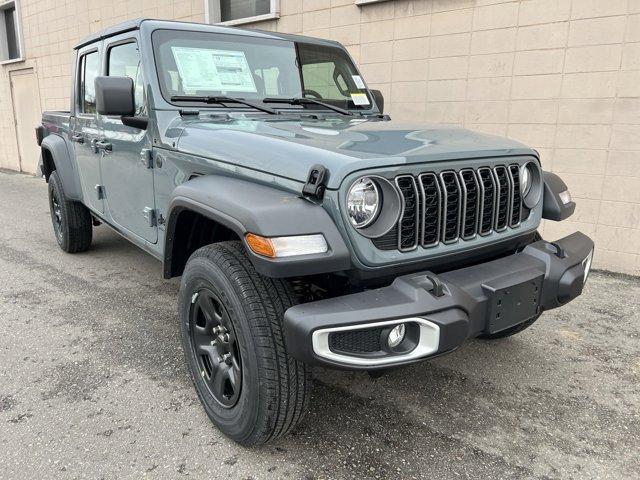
<point>99,191</point>
<point>146,157</point>
<point>150,214</point>
<point>153,217</point>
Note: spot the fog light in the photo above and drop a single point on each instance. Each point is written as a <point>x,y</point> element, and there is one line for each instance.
<point>396,335</point>
<point>586,263</point>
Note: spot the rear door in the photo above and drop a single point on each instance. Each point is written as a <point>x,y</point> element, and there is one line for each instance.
<point>126,174</point>
<point>85,129</point>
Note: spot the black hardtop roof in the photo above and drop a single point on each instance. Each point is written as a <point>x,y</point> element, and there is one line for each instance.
<point>136,24</point>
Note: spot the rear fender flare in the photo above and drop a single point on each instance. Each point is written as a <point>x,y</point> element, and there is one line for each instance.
<point>57,148</point>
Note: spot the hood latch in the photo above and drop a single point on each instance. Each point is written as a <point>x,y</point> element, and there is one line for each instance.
<point>315,186</point>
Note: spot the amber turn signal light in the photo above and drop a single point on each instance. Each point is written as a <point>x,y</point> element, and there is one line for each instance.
<point>260,245</point>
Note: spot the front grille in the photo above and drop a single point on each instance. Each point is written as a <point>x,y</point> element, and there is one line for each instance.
<point>356,341</point>
<point>455,205</point>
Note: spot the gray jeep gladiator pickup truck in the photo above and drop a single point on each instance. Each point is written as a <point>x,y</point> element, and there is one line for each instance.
<point>307,226</point>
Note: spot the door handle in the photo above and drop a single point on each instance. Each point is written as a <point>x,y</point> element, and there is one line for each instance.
<point>77,138</point>
<point>104,145</point>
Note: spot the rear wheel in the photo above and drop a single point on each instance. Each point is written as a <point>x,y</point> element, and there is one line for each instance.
<point>231,329</point>
<point>72,224</point>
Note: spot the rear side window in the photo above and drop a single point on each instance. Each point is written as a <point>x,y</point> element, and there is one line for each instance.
<point>124,61</point>
<point>89,70</point>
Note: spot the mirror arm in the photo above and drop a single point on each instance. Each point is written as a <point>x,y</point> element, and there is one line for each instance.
<point>136,122</point>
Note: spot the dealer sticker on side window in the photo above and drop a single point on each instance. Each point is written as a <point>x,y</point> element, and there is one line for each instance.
<point>218,70</point>
<point>360,99</point>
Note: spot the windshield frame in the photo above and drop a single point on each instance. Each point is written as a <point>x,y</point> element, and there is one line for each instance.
<point>295,42</point>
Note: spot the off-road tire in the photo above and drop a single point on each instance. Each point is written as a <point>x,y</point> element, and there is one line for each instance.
<point>72,225</point>
<point>510,331</point>
<point>275,387</point>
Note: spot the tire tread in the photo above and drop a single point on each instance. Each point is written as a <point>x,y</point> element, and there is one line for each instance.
<point>265,300</point>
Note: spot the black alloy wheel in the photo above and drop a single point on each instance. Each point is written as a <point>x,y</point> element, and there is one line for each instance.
<point>56,215</point>
<point>214,343</point>
<point>72,224</point>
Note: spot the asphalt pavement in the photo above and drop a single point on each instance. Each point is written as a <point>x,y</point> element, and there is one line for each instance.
<point>93,382</point>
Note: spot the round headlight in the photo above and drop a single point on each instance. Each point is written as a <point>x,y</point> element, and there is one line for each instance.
<point>525,179</point>
<point>363,202</point>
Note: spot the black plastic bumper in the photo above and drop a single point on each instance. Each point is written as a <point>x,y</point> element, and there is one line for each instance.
<point>460,304</point>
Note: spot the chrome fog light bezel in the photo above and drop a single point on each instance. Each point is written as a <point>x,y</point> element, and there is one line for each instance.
<point>586,265</point>
<point>427,343</point>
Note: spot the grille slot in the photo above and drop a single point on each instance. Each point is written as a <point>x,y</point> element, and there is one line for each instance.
<point>356,341</point>
<point>408,225</point>
<point>487,200</point>
<point>503,198</point>
<point>432,201</point>
<point>516,205</point>
<point>452,203</point>
<point>470,197</point>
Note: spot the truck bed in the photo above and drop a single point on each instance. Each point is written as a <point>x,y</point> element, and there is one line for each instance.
<point>56,121</point>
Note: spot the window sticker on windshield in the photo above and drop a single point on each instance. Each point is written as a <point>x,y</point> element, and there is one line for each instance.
<point>360,99</point>
<point>208,69</point>
<point>357,79</point>
<point>234,73</point>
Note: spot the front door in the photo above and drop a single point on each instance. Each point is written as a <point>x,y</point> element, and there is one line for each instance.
<point>26,110</point>
<point>85,131</point>
<point>126,174</point>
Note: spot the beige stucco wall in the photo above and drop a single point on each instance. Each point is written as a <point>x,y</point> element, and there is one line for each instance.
<point>560,75</point>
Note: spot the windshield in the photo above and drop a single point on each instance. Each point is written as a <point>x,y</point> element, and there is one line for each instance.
<point>200,64</point>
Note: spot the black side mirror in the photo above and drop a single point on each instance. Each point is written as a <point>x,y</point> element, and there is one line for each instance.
<point>379,99</point>
<point>114,96</point>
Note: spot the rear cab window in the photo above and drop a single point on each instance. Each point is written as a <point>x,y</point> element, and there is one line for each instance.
<point>89,70</point>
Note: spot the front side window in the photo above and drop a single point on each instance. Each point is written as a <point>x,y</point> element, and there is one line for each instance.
<point>124,61</point>
<point>200,64</point>
<point>89,70</point>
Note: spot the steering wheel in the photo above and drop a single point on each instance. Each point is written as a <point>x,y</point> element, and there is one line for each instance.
<point>313,93</point>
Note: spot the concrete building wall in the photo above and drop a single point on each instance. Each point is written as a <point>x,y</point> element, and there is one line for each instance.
<point>560,75</point>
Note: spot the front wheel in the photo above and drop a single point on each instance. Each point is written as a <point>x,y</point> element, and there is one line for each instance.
<point>231,329</point>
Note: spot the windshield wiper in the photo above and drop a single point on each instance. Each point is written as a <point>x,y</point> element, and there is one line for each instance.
<point>222,101</point>
<point>307,101</point>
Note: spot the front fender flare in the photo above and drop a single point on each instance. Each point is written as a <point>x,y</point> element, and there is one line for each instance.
<point>56,146</point>
<point>247,207</point>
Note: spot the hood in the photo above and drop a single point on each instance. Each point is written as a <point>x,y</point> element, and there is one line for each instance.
<point>289,146</point>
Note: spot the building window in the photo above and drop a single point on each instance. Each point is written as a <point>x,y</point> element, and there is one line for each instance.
<point>235,12</point>
<point>10,41</point>
<point>364,2</point>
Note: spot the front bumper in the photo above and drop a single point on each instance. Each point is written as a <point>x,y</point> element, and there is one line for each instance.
<point>439,311</point>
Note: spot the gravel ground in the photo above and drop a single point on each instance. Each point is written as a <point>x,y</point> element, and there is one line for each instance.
<point>93,383</point>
